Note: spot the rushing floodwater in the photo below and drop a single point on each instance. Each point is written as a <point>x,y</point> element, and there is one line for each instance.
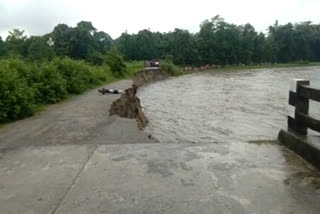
<point>223,106</point>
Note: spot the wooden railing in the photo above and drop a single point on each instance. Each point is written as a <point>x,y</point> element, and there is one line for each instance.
<point>300,99</point>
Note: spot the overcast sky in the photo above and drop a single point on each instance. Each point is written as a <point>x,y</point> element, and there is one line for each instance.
<point>38,17</point>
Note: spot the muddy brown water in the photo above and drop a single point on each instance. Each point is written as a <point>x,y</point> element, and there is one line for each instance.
<point>213,107</point>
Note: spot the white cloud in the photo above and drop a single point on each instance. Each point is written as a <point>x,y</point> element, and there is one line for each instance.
<point>114,17</point>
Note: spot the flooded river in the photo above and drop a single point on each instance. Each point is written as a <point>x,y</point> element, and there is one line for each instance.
<point>216,107</point>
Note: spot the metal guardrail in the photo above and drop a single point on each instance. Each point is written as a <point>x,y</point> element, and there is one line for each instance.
<point>300,100</point>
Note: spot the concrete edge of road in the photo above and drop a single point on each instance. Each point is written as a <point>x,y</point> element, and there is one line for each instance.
<point>301,146</point>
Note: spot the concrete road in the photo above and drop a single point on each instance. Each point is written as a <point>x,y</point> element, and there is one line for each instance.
<point>74,158</point>
<point>82,119</point>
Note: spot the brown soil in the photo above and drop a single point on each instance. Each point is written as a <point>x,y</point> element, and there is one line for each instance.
<point>128,105</point>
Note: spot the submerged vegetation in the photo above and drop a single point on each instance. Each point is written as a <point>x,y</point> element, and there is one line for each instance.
<point>40,70</point>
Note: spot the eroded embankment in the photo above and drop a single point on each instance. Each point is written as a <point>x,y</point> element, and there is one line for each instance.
<point>128,105</point>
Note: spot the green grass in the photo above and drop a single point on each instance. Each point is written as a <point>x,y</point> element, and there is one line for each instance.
<point>133,67</point>
<point>251,67</point>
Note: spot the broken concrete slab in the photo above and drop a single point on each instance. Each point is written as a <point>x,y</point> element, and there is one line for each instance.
<point>207,178</point>
<point>36,179</point>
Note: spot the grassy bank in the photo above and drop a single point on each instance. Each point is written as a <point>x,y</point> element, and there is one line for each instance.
<point>276,65</point>
<point>251,67</point>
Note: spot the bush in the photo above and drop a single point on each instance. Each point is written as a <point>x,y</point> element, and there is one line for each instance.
<point>53,87</point>
<point>102,74</point>
<point>116,63</point>
<point>76,73</point>
<point>16,98</point>
<point>170,68</point>
<point>302,62</point>
<point>133,67</point>
<point>27,71</point>
<point>25,85</point>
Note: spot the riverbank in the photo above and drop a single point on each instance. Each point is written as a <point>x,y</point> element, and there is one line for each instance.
<point>248,67</point>
<point>128,105</point>
<point>277,65</point>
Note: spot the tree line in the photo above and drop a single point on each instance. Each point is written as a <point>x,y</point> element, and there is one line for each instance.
<point>217,42</point>
<point>222,43</point>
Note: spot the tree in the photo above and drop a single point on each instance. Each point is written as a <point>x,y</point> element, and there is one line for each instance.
<point>182,47</point>
<point>102,42</point>
<point>248,39</point>
<point>39,50</point>
<point>60,37</point>
<point>116,63</point>
<point>127,46</point>
<point>283,39</point>
<point>16,42</point>
<point>207,42</point>
<point>303,37</point>
<point>259,55</point>
<point>3,48</point>
<point>145,45</point>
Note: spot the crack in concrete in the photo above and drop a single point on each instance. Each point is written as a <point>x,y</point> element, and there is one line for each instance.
<point>74,180</point>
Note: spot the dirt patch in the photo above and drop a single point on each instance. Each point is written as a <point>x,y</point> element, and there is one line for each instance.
<point>128,105</point>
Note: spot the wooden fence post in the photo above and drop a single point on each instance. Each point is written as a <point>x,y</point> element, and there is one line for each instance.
<point>301,121</point>
<point>301,106</point>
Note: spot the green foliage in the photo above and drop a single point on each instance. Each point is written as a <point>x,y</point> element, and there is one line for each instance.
<point>25,85</point>
<point>102,42</point>
<point>60,37</point>
<point>133,67</point>
<point>96,58</point>
<point>301,62</point>
<point>39,49</point>
<point>77,74</point>
<point>15,42</point>
<point>80,42</point>
<point>53,86</point>
<point>16,98</point>
<point>170,68</point>
<point>102,74</point>
<point>116,63</point>
<point>217,42</point>
<point>3,48</point>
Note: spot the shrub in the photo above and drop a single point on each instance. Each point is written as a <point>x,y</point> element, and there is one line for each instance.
<point>102,74</point>
<point>53,87</point>
<point>16,98</point>
<point>29,72</point>
<point>133,67</point>
<point>170,68</point>
<point>302,62</point>
<point>24,85</point>
<point>76,73</point>
<point>116,63</point>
